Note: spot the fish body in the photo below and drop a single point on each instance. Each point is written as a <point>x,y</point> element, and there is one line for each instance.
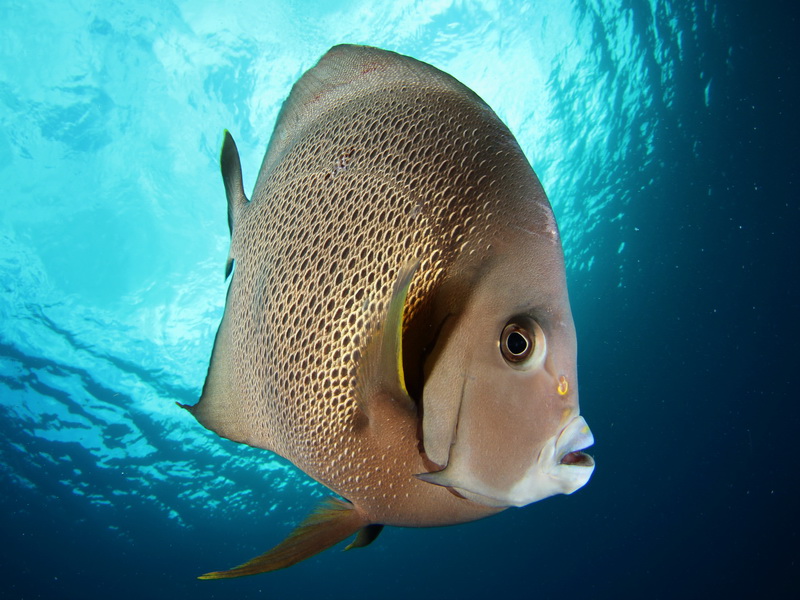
<point>397,323</point>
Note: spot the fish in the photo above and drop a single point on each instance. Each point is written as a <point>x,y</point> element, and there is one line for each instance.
<point>397,323</point>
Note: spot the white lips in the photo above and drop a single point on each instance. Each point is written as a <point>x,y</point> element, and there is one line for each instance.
<point>575,436</point>
<point>548,476</point>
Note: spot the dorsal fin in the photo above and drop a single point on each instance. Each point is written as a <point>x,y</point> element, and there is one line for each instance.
<point>343,74</point>
<point>231,168</point>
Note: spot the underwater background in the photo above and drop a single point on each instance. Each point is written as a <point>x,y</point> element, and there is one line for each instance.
<point>666,137</point>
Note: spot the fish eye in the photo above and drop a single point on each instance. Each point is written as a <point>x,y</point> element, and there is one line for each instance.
<point>516,343</point>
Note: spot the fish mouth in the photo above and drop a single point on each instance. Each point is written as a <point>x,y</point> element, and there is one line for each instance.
<point>577,458</point>
<point>572,442</point>
<point>560,467</point>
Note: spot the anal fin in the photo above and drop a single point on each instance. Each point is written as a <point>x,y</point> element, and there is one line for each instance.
<point>366,536</point>
<point>328,525</point>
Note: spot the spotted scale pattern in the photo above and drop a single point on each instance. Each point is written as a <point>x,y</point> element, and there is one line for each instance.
<point>403,169</point>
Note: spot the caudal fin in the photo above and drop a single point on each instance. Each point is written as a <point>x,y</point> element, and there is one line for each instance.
<point>328,525</point>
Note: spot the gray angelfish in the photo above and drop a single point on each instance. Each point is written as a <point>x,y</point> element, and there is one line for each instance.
<point>397,323</point>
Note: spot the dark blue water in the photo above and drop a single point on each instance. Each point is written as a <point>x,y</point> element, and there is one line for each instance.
<point>665,134</point>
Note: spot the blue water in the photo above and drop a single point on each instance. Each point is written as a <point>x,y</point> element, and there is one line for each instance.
<point>665,135</point>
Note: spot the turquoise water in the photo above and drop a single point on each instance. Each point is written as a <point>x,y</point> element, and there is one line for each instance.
<point>656,129</point>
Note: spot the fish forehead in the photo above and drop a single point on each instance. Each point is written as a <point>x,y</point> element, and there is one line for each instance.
<point>399,171</point>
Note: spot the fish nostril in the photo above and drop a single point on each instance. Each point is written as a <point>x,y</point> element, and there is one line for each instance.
<point>563,385</point>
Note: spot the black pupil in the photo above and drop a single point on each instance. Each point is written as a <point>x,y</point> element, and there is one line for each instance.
<point>516,342</point>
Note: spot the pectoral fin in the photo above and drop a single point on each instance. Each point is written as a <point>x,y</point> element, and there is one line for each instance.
<point>382,364</point>
<point>442,478</point>
<point>328,525</point>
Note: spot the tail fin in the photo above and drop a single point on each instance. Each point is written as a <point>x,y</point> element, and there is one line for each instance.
<point>328,525</point>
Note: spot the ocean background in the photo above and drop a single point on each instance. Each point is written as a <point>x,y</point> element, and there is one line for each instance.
<point>666,137</point>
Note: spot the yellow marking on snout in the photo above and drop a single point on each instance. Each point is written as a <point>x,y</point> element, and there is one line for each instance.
<point>563,385</point>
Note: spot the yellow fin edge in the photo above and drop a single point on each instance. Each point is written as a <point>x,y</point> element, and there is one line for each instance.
<point>381,365</point>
